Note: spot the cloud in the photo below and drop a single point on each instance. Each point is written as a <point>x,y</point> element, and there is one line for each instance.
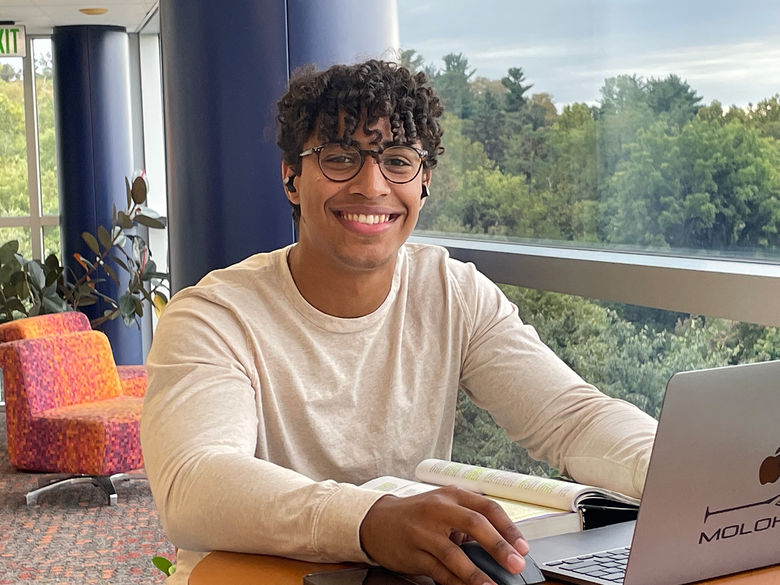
<point>569,47</point>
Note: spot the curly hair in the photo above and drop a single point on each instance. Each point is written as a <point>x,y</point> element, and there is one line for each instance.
<point>366,91</point>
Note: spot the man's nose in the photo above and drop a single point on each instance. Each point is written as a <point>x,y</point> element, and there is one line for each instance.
<point>370,181</point>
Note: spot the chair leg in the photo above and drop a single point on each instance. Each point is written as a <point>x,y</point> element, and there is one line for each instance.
<point>49,484</point>
<point>105,482</point>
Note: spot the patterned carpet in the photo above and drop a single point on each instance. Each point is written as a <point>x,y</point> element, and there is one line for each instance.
<point>72,537</point>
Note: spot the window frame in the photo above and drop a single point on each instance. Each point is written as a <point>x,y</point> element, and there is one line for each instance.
<point>731,289</point>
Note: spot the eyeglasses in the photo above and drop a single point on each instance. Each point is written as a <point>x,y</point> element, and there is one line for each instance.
<point>340,162</point>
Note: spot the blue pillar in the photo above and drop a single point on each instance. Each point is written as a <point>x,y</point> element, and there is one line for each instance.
<point>94,151</point>
<point>341,31</point>
<point>223,71</point>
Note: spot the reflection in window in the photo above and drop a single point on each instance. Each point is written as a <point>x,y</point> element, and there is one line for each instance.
<point>606,129</point>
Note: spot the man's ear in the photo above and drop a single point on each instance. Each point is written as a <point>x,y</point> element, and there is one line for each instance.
<point>426,183</point>
<point>288,180</point>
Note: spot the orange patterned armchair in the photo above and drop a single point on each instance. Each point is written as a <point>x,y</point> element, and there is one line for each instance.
<point>133,378</point>
<point>66,412</point>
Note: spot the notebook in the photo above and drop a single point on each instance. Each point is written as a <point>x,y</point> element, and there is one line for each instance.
<point>711,502</point>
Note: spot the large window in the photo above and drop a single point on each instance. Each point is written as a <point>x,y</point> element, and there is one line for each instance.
<point>29,205</point>
<point>28,167</point>
<point>625,153</point>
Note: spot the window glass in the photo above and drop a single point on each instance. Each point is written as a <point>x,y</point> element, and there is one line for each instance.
<point>47,151</point>
<point>649,125</point>
<point>14,196</point>
<point>642,125</point>
<point>51,242</point>
<point>626,351</point>
<point>20,234</point>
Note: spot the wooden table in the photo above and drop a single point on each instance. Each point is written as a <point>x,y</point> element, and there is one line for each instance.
<point>219,568</point>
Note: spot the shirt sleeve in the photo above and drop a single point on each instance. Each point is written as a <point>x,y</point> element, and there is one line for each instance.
<point>542,403</point>
<point>199,432</point>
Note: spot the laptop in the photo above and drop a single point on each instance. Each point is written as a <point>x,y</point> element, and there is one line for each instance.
<point>711,502</point>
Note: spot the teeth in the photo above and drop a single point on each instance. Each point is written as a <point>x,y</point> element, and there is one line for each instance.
<point>368,219</point>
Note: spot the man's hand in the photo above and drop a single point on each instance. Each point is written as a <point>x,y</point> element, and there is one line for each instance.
<point>421,534</point>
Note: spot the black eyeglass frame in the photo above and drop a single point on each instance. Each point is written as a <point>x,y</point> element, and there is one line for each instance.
<point>375,154</point>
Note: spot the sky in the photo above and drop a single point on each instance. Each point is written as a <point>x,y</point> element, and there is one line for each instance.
<point>726,50</point>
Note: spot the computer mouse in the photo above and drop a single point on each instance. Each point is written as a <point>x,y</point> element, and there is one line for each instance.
<point>482,559</point>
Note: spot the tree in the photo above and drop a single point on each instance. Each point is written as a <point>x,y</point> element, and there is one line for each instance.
<point>765,116</point>
<point>412,60</point>
<point>453,87</point>
<point>488,126</point>
<point>713,186</point>
<point>462,155</point>
<point>513,81</point>
<point>8,73</point>
<point>672,99</point>
<point>571,175</point>
<point>14,197</point>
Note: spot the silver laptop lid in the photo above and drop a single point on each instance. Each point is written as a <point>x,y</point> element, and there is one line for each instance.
<point>711,503</point>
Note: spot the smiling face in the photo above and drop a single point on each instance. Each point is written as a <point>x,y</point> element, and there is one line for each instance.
<point>359,224</point>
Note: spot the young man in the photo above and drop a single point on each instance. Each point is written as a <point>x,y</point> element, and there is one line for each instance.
<point>280,384</point>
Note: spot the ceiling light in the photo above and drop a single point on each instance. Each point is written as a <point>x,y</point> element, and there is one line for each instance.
<point>93,11</point>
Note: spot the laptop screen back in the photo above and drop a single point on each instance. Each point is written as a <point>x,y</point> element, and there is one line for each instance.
<point>711,503</point>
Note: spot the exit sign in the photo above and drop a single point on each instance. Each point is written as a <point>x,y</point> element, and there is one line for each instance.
<point>12,40</point>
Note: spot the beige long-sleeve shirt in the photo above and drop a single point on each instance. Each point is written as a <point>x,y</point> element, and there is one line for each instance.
<point>263,415</point>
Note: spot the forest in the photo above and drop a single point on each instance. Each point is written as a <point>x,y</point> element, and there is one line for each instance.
<point>647,167</point>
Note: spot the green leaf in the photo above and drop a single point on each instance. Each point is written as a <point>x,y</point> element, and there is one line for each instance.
<point>139,307</point>
<point>147,276</point>
<point>54,304</point>
<point>104,237</point>
<point>8,251</point>
<point>23,289</point>
<point>15,304</point>
<point>85,290</point>
<point>111,273</point>
<point>91,242</point>
<point>53,275</point>
<point>163,564</point>
<point>139,191</point>
<point>127,304</point>
<point>7,271</point>
<point>151,266</point>
<point>125,221</point>
<point>150,222</point>
<point>120,262</point>
<point>52,262</point>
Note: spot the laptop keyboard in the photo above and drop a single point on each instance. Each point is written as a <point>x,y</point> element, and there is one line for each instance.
<point>609,565</point>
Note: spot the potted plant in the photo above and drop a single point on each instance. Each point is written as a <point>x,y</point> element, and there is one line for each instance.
<point>31,287</point>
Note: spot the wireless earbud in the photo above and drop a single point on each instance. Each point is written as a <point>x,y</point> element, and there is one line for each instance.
<point>289,184</point>
<point>424,192</point>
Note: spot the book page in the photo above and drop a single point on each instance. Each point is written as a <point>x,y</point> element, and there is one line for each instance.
<point>517,511</point>
<point>542,491</point>
<point>397,486</point>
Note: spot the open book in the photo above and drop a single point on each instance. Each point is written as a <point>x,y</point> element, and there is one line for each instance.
<point>540,506</point>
